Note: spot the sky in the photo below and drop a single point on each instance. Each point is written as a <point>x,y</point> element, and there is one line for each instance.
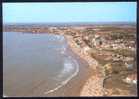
<point>69,12</point>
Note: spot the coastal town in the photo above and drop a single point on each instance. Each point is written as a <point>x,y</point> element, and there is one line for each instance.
<point>110,51</point>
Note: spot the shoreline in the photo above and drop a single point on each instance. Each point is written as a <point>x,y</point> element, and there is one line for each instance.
<point>96,77</point>
<point>70,82</point>
<point>89,64</point>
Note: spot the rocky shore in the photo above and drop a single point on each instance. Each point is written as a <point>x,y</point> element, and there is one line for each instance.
<point>109,51</point>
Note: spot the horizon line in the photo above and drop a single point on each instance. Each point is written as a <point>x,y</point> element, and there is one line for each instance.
<point>69,22</point>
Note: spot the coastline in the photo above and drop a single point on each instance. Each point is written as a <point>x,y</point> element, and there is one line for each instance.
<point>67,89</point>
<point>96,77</point>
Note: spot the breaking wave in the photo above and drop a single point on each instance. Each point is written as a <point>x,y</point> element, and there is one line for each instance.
<point>70,65</point>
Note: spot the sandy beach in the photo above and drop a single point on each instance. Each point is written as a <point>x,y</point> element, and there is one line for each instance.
<point>97,75</point>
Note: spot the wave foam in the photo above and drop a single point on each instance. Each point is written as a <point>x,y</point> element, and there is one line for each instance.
<point>68,66</point>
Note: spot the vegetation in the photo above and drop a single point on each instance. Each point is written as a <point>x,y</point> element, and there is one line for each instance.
<point>124,52</point>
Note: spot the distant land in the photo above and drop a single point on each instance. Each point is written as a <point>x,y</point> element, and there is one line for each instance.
<point>74,24</point>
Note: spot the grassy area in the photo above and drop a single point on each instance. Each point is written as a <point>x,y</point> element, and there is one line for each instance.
<point>110,28</point>
<point>122,35</point>
<point>124,52</point>
<point>100,58</point>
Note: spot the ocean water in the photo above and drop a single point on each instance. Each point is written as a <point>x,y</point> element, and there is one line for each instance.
<point>36,64</point>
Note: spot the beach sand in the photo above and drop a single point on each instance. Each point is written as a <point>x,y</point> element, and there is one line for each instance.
<point>94,84</point>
